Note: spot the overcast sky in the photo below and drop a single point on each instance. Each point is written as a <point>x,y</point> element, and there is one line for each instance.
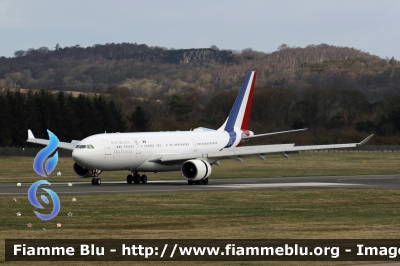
<point>371,26</point>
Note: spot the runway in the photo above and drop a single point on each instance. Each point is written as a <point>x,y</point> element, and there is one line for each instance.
<point>317,182</point>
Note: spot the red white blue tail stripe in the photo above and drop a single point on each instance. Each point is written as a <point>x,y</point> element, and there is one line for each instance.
<point>240,114</point>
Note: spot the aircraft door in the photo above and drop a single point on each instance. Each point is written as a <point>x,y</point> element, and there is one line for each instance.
<point>138,150</point>
<point>107,147</point>
<point>194,145</point>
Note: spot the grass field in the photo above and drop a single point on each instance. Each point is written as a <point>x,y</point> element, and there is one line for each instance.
<point>261,214</point>
<point>19,169</point>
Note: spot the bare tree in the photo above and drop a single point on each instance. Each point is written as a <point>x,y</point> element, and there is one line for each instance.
<point>311,100</point>
<point>353,103</point>
<point>43,50</point>
<point>15,77</point>
<point>329,99</point>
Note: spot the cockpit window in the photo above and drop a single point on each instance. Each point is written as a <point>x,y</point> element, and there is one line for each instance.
<point>81,146</point>
<point>84,146</point>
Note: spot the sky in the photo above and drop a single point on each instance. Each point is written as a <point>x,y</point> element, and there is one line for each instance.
<point>262,25</point>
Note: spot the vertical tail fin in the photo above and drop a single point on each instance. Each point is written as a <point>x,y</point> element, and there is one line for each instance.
<point>240,112</point>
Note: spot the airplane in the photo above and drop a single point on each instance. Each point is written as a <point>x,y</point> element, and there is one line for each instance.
<point>191,152</point>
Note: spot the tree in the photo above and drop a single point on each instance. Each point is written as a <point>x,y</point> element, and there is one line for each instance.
<point>310,106</point>
<point>328,102</point>
<point>140,120</point>
<point>66,116</point>
<point>283,46</point>
<point>180,108</point>
<point>43,50</point>
<point>15,77</point>
<point>271,106</point>
<point>16,101</point>
<point>219,106</point>
<point>19,53</point>
<point>31,116</point>
<point>116,116</point>
<point>5,122</point>
<point>353,103</point>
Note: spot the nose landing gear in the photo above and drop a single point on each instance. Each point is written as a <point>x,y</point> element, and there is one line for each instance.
<point>96,180</point>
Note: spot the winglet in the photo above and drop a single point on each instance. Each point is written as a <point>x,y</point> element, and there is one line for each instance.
<point>30,134</point>
<point>366,140</point>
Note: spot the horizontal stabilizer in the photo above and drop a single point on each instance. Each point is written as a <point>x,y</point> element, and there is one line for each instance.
<point>272,133</point>
<point>30,134</point>
<point>62,145</point>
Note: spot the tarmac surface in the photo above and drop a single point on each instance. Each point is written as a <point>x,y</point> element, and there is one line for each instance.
<point>316,182</point>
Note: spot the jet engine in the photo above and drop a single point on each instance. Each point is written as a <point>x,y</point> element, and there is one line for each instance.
<point>80,171</point>
<point>196,169</point>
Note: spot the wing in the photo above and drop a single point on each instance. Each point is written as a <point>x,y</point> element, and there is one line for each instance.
<point>259,150</point>
<point>63,145</point>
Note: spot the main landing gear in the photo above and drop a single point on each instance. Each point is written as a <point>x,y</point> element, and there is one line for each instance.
<point>96,180</point>
<point>199,182</point>
<point>136,178</point>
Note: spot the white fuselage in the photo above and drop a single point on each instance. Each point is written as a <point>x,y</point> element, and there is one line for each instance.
<point>131,151</point>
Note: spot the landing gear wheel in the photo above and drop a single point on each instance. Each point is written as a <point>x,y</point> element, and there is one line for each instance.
<point>93,181</point>
<point>190,182</point>
<point>143,179</point>
<point>129,179</point>
<point>136,179</point>
<point>205,181</point>
<point>98,181</point>
<point>198,182</point>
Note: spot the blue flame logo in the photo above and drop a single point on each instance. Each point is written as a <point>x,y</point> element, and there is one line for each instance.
<point>39,169</point>
<point>32,198</point>
<point>44,153</point>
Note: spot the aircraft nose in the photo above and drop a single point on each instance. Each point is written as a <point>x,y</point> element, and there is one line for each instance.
<point>75,154</point>
<point>78,157</point>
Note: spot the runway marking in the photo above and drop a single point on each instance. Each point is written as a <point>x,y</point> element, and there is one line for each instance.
<point>114,191</point>
<point>309,184</point>
<point>89,183</point>
<point>206,188</point>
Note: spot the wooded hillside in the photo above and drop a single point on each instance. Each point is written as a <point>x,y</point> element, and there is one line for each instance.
<point>340,93</point>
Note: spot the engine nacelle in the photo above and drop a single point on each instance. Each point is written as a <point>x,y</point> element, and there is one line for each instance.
<point>80,171</point>
<point>196,169</point>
